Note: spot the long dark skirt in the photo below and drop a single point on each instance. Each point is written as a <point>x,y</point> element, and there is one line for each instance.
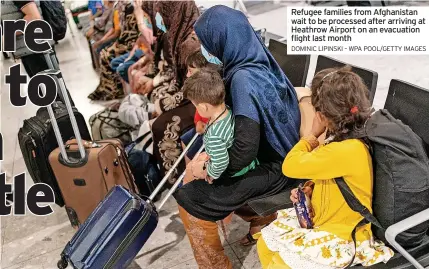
<point>167,129</point>
<point>215,202</point>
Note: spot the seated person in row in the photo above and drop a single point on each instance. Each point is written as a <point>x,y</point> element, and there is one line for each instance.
<point>141,47</point>
<point>103,23</point>
<point>111,35</point>
<point>205,89</point>
<point>340,99</point>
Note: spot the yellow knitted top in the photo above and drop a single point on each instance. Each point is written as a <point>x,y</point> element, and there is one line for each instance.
<point>349,159</point>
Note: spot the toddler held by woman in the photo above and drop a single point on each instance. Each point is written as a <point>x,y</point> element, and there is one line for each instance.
<point>206,91</point>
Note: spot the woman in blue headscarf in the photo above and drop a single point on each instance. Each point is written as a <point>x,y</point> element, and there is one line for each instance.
<point>267,121</point>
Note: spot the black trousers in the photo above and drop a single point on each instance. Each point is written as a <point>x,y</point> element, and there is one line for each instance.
<point>36,63</point>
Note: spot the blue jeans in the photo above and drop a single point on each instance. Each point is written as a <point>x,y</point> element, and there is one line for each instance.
<point>121,66</point>
<point>104,45</point>
<point>187,137</point>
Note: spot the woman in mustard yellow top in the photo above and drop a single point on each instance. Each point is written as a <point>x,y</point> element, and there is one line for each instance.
<point>339,97</point>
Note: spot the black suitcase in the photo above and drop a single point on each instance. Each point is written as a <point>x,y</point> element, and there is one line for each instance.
<point>37,140</point>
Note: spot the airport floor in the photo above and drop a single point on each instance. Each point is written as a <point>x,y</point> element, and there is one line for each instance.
<point>36,242</point>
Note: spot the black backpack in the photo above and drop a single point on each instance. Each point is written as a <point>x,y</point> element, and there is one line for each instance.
<point>401,177</point>
<point>144,166</point>
<point>53,13</point>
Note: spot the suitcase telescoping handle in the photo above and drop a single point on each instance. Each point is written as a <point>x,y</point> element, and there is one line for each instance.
<point>177,183</point>
<point>51,60</point>
<point>56,75</point>
<point>167,176</point>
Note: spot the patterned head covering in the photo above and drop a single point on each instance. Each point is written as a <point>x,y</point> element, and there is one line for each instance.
<point>179,19</point>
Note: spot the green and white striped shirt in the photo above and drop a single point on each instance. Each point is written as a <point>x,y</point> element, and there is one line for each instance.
<point>218,138</point>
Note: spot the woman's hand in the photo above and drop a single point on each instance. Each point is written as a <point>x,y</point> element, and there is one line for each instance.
<point>209,179</point>
<point>142,84</point>
<point>319,126</point>
<point>188,175</point>
<point>203,156</point>
<point>154,115</point>
<point>96,45</point>
<point>147,85</point>
<point>197,167</point>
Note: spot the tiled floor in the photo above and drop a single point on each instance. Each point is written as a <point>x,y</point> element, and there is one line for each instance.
<point>36,242</point>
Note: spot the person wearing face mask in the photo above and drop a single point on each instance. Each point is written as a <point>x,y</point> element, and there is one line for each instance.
<point>267,122</point>
<point>110,86</point>
<point>176,19</point>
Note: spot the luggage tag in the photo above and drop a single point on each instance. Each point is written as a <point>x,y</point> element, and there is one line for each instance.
<point>303,209</point>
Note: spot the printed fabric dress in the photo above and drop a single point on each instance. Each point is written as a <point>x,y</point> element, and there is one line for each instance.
<point>178,113</point>
<point>312,248</point>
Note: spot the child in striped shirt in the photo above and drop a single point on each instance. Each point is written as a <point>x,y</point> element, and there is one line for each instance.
<point>205,89</point>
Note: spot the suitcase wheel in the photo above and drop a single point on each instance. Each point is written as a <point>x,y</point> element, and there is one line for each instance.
<point>62,264</point>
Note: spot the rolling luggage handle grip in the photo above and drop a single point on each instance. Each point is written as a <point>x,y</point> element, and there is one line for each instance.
<point>56,75</point>
<point>167,176</point>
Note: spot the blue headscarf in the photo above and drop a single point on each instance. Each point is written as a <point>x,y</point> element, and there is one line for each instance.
<point>258,87</point>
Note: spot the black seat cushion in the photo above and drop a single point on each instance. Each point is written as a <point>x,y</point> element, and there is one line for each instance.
<point>269,205</point>
<point>295,67</point>
<point>369,77</point>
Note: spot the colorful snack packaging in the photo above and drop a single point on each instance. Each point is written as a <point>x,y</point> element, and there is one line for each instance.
<point>303,209</point>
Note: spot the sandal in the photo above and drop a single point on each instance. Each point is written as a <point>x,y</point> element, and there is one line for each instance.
<point>250,240</point>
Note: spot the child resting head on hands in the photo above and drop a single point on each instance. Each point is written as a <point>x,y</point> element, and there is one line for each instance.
<point>340,99</point>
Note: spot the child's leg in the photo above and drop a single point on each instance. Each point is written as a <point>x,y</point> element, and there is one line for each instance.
<point>116,62</point>
<point>123,68</point>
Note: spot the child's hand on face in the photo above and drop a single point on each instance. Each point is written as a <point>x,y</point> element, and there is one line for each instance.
<point>200,127</point>
<point>319,126</point>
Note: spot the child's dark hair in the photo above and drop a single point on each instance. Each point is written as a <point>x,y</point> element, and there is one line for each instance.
<point>342,97</point>
<point>196,60</point>
<point>205,86</point>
